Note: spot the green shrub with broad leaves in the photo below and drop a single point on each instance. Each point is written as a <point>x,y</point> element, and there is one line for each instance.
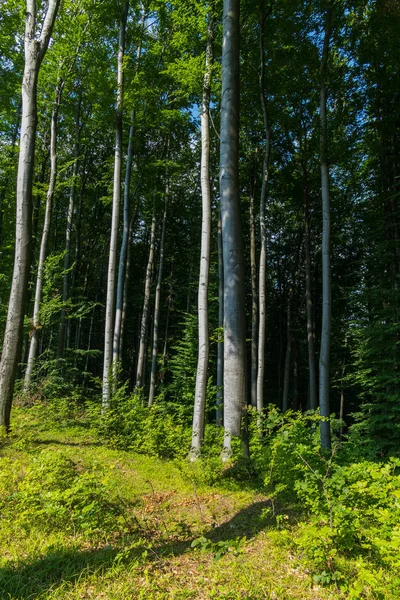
<point>347,513</point>
<point>55,493</point>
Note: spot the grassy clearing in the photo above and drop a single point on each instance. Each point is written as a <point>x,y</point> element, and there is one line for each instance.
<point>136,540</point>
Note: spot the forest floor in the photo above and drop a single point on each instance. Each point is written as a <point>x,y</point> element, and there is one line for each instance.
<point>243,549</point>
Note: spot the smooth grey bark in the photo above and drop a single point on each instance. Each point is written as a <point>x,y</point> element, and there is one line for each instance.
<point>324,356</point>
<point>205,251</point>
<point>154,352</point>
<point>254,304</point>
<point>35,47</point>
<point>312,370</point>
<point>146,303</point>
<point>126,219</point>
<point>169,304</point>
<point>123,252</point>
<point>233,259</point>
<point>36,326</point>
<point>220,349</point>
<point>262,300</point>
<point>68,234</point>
<point>111,274</point>
<point>126,284</point>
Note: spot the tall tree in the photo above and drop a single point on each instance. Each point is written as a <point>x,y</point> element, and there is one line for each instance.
<point>324,356</point>
<point>68,231</point>
<point>146,303</point>
<point>233,260</point>
<point>111,278</point>
<point>35,49</point>
<point>156,322</point>
<point>205,253</point>
<point>312,372</point>
<point>263,251</point>
<point>33,346</point>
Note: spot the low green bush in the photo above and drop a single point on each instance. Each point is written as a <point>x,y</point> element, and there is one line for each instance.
<point>55,493</point>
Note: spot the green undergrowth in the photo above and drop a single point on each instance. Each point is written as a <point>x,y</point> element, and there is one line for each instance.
<point>87,514</point>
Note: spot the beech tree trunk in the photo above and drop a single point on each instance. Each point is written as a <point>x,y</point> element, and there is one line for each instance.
<point>154,353</point>
<point>324,357</point>
<point>34,341</point>
<point>125,236</point>
<point>203,350</point>
<point>234,313</point>
<point>312,371</point>
<point>263,252</point>
<point>126,285</point>
<point>220,349</point>
<point>35,50</point>
<point>68,235</point>
<point>146,303</point>
<point>254,304</point>
<point>288,356</point>
<point>123,253</point>
<point>111,277</point>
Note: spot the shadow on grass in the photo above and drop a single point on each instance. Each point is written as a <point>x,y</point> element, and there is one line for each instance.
<point>37,579</point>
<point>51,442</point>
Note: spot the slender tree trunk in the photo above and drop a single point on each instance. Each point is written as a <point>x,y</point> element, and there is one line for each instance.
<point>234,317</point>
<point>126,220</point>
<point>34,342</point>
<point>154,353</point>
<point>324,357</point>
<point>37,200</point>
<point>68,235</point>
<point>296,377</point>
<point>254,306</point>
<point>126,286</point>
<point>35,49</point>
<point>164,360</point>
<point>189,288</point>
<point>123,252</point>
<point>220,349</point>
<point>288,356</point>
<point>312,371</point>
<point>110,303</point>
<point>7,179</point>
<point>146,303</point>
<point>263,251</point>
<point>203,350</point>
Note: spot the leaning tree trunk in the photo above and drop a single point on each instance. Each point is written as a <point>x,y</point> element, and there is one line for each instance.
<point>156,324</point>
<point>263,251</point>
<point>146,304</point>
<point>68,235</point>
<point>324,357</point>
<point>203,350</point>
<point>35,49</point>
<point>312,371</point>
<point>34,342</point>
<point>234,317</point>
<point>111,276</point>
